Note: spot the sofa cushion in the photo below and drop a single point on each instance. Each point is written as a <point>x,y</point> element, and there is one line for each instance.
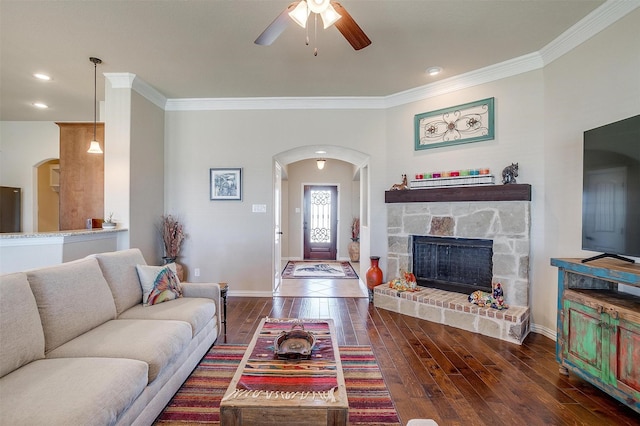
<point>71,391</point>
<point>155,342</point>
<point>159,283</point>
<point>21,335</point>
<point>196,311</point>
<point>119,269</point>
<point>72,298</point>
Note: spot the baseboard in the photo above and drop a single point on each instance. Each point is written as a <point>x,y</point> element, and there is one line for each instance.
<point>250,293</point>
<point>545,331</point>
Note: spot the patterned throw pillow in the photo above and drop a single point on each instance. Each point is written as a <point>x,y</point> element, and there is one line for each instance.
<point>159,283</point>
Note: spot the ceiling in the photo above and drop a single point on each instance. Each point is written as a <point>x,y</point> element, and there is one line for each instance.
<point>205,49</point>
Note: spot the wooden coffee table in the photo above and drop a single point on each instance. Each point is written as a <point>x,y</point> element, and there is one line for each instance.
<point>269,391</point>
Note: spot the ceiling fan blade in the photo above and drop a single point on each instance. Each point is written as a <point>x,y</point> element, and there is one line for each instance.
<point>273,31</point>
<point>349,29</point>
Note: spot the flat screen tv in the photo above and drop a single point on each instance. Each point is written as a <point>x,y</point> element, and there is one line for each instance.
<point>611,190</point>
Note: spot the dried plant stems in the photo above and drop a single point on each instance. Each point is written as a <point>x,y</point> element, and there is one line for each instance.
<point>172,236</point>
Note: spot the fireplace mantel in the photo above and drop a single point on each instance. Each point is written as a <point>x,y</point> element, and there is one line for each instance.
<point>511,192</point>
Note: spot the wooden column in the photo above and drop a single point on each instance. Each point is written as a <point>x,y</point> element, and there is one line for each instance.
<point>81,175</point>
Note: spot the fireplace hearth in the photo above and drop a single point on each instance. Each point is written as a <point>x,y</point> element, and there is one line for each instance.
<point>461,265</point>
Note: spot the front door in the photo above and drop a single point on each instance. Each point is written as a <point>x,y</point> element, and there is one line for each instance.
<point>320,222</point>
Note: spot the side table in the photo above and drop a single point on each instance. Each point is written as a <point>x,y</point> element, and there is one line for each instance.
<point>224,288</point>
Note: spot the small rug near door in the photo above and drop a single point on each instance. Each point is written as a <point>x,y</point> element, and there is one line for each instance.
<point>198,400</point>
<point>319,269</point>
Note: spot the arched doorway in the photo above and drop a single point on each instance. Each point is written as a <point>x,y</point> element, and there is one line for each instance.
<point>46,203</point>
<point>283,162</point>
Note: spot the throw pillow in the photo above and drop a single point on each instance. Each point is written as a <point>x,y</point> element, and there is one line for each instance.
<point>159,283</point>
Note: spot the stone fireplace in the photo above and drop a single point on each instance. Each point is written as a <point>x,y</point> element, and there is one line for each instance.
<point>495,220</point>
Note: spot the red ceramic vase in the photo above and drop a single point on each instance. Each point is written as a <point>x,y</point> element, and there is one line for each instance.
<point>374,275</point>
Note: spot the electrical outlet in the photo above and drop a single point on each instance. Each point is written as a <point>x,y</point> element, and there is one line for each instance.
<point>196,272</point>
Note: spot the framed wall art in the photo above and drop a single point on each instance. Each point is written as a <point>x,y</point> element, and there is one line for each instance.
<point>226,184</point>
<point>471,122</point>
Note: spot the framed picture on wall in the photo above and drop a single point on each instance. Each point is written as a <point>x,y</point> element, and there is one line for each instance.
<point>225,184</point>
<point>471,122</point>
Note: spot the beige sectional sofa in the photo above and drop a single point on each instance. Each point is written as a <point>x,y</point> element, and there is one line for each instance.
<point>77,347</point>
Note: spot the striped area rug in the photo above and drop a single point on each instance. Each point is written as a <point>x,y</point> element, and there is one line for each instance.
<point>198,400</point>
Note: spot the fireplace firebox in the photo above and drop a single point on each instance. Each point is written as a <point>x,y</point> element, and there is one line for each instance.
<point>461,265</point>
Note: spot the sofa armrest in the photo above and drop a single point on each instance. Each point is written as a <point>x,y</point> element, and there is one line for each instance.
<point>204,290</point>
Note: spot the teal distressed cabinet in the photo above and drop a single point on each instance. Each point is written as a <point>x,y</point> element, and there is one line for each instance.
<point>599,326</point>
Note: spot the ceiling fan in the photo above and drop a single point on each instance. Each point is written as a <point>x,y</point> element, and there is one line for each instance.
<point>331,12</point>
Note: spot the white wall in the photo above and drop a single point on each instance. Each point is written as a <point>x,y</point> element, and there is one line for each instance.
<point>226,240</point>
<point>23,145</point>
<point>147,178</point>
<point>596,83</point>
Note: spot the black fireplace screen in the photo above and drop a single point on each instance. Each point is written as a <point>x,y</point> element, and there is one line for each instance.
<point>454,264</point>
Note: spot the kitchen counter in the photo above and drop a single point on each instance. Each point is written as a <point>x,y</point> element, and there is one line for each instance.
<point>23,251</point>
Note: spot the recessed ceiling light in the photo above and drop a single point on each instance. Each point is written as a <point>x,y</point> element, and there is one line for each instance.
<point>40,105</point>
<point>321,152</point>
<point>42,77</point>
<point>434,71</point>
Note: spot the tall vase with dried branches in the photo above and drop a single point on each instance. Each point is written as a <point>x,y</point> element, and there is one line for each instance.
<point>354,245</point>
<point>173,235</point>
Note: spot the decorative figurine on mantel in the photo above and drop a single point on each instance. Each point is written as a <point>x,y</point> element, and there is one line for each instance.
<point>510,173</point>
<point>400,186</point>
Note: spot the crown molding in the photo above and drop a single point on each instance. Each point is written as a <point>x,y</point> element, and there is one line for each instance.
<point>127,80</point>
<point>120,80</point>
<point>599,19</point>
<point>214,104</point>
<point>505,69</point>
<point>149,93</point>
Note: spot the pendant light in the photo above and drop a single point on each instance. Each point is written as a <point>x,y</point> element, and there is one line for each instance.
<point>94,148</point>
<point>320,164</point>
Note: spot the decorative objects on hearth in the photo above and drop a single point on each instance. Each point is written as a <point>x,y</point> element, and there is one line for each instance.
<point>400,186</point>
<point>354,245</point>
<point>494,300</point>
<point>173,235</point>
<point>510,173</point>
<point>408,282</point>
<point>373,276</point>
<point>471,122</point>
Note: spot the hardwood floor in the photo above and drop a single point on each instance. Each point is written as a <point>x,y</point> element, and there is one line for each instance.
<point>450,375</point>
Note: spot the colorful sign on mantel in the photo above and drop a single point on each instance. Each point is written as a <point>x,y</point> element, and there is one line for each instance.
<point>471,122</point>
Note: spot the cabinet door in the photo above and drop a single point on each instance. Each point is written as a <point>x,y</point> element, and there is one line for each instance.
<point>625,357</point>
<point>583,336</point>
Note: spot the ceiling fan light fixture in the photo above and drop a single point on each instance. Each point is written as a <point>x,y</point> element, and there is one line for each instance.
<point>318,6</point>
<point>300,14</point>
<point>320,164</point>
<point>329,16</point>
